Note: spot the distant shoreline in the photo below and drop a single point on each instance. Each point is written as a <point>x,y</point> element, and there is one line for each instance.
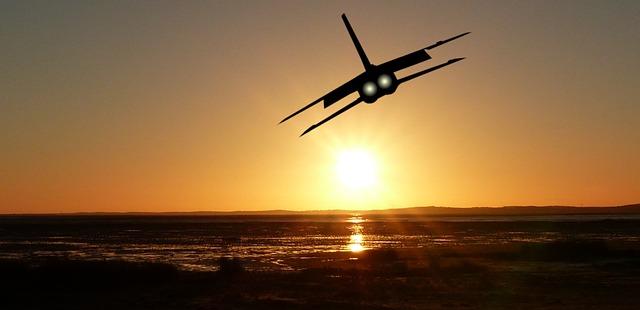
<point>414,211</point>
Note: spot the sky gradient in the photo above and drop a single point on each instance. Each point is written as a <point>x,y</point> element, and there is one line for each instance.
<point>167,106</point>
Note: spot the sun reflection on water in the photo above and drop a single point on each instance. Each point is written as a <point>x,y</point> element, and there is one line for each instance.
<point>356,239</point>
<point>355,245</point>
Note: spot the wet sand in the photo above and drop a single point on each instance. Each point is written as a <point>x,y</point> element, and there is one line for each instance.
<point>569,274</point>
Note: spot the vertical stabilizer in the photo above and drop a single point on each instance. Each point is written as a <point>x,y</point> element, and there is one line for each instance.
<point>363,56</point>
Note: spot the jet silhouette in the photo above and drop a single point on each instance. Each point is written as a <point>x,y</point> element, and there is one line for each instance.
<point>377,80</point>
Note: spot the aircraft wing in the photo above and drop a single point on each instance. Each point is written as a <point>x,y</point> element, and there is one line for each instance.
<point>342,110</point>
<point>416,57</point>
<point>333,96</point>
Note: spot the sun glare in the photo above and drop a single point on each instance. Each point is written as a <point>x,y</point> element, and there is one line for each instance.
<point>357,169</point>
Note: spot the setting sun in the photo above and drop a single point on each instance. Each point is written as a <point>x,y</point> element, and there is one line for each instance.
<point>357,169</point>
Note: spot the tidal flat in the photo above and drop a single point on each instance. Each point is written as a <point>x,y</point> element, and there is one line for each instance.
<point>337,263</point>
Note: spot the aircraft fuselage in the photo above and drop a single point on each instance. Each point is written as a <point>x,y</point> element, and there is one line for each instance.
<point>376,83</point>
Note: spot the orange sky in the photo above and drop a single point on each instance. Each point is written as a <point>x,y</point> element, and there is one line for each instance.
<point>165,106</point>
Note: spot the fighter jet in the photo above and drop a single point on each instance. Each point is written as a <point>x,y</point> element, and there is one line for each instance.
<point>377,80</point>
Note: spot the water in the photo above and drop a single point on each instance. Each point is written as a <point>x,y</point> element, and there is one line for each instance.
<point>282,242</point>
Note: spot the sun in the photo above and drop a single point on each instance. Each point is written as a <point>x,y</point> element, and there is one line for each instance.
<point>357,169</point>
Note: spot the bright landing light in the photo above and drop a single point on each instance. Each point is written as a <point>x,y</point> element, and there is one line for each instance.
<point>357,169</point>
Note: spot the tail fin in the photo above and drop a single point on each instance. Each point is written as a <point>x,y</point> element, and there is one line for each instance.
<point>363,56</point>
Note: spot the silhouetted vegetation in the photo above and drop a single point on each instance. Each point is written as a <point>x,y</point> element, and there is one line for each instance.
<point>230,266</point>
<point>84,275</point>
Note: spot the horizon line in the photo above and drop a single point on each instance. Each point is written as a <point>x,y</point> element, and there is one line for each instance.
<point>274,211</point>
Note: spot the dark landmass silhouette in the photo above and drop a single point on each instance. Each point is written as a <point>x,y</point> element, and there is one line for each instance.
<point>421,211</point>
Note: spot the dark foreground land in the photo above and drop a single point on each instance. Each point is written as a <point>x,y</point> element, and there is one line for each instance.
<point>558,275</point>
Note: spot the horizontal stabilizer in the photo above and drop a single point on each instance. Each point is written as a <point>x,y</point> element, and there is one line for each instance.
<point>405,61</point>
<point>423,72</point>
<point>333,96</point>
<point>342,91</point>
